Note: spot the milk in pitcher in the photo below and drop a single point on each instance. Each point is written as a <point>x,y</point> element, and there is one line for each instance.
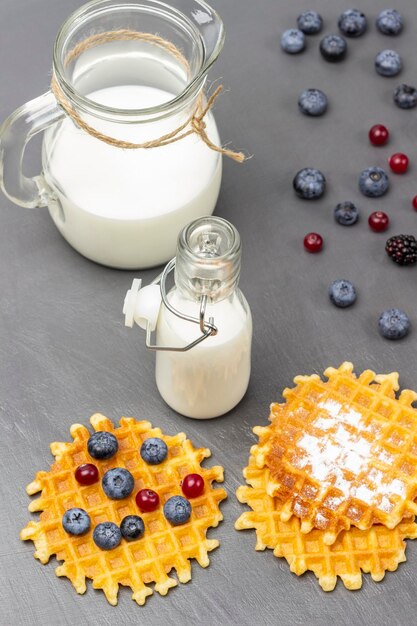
<point>134,200</point>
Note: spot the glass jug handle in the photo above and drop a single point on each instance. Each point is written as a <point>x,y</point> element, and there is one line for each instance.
<point>30,119</point>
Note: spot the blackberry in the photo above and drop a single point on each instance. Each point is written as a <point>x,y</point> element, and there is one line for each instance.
<point>402,249</point>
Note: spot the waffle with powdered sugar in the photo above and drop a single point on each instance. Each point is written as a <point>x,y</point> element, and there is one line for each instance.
<point>342,452</point>
<point>374,551</point>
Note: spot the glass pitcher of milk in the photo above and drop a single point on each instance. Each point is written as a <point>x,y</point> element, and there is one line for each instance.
<point>203,324</point>
<point>118,206</point>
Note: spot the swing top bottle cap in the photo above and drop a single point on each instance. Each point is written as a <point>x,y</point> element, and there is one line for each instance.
<point>208,259</point>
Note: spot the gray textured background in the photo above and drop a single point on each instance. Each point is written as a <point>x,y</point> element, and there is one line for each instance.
<point>65,353</point>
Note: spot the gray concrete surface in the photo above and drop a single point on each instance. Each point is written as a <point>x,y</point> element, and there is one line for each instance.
<point>66,354</point>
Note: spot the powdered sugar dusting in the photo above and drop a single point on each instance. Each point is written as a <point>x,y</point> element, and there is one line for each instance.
<point>323,423</point>
<point>365,494</point>
<point>320,521</point>
<point>385,505</point>
<point>385,456</point>
<point>334,409</point>
<point>397,487</point>
<point>299,509</point>
<point>332,503</point>
<point>343,450</point>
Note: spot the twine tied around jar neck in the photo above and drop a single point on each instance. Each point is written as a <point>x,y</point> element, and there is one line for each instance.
<point>195,121</point>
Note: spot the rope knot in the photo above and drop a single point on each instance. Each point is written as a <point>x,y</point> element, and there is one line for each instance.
<point>198,125</point>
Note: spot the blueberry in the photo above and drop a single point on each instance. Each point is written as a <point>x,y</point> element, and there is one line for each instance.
<point>177,510</point>
<point>310,22</point>
<point>333,48</point>
<point>342,293</point>
<point>373,182</point>
<point>132,527</point>
<point>388,63</point>
<point>405,96</point>
<point>107,535</point>
<point>393,324</point>
<point>346,213</point>
<point>309,183</point>
<point>389,22</point>
<point>352,23</point>
<point>293,41</point>
<point>312,102</point>
<point>118,483</point>
<point>154,450</point>
<point>76,521</point>
<point>102,445</point>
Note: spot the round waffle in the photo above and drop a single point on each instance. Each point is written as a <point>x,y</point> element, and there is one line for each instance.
<point>162,548</point>
<point>376,550</point>
<point>342,452</point>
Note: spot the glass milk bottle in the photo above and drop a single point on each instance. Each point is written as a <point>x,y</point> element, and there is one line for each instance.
<point>203,324</point>
<point>130,152</point>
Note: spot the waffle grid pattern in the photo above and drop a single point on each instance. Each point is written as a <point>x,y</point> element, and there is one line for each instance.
<point>387,425</point>
<point>163,547</point>
<point>373,551</point>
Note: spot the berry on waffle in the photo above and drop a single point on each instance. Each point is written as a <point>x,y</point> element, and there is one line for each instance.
<point>162,548</point>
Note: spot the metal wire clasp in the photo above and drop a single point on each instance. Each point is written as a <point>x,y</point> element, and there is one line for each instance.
<point>207,327</point>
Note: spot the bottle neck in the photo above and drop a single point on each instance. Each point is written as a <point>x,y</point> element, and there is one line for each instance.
<point>208,260</point>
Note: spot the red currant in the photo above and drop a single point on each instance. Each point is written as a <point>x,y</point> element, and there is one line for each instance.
<point>378,135</point>
<point>147,500</point>
<point>86,474</point>
<point>415,203</point>
<point>192,486</point>
<point>313,242</point>
<point>398,163</point>
<point>378,221</point>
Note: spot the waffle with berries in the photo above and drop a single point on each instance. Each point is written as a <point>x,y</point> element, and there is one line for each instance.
<point>162,548</point>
